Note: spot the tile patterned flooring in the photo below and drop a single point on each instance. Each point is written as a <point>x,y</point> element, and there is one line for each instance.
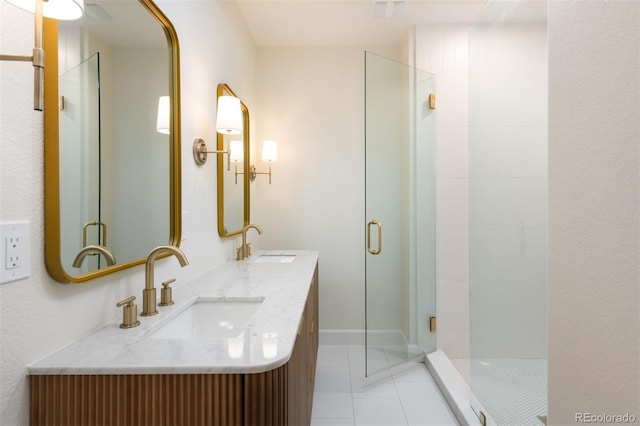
<point>406,395</point>
<point>514,391</point>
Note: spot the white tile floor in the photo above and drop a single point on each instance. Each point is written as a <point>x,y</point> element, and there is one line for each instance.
<point>404,396</point>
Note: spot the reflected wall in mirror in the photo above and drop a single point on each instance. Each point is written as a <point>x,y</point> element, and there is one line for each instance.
<point>112,180</point>
<point>233,175</point>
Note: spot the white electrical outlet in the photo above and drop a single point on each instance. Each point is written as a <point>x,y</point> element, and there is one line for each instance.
<point>13,248</point>
<point>15,256</point>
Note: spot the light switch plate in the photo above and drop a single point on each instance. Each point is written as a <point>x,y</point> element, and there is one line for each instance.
<point>15,253</point>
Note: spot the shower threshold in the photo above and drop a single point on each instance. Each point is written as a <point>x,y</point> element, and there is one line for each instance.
<point>519,384</point>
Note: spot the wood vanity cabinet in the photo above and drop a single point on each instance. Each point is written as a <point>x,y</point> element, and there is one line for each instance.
<point>283,396</point>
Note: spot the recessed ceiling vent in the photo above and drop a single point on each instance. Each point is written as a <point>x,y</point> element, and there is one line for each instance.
<point>389,9</point>
<point>97,12</point>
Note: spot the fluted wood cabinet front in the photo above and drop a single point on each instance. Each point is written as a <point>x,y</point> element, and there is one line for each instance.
<point>283,396</point>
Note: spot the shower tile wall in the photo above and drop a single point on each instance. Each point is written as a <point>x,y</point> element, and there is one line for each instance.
<point>508,190</point>
<point>444,51</point>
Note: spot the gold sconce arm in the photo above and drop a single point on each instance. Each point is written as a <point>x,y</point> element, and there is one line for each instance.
<point>237,172</point>
<point>37,58</point>
<point>200,151</point>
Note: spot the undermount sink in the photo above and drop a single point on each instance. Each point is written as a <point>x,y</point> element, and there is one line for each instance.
<point>275,258</point>
<point>210,319</point>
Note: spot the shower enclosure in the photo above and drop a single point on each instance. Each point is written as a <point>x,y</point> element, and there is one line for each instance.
<point>400,238</point>
<point>508,213</point>
<point>505,366</point>
<point>80,161</point>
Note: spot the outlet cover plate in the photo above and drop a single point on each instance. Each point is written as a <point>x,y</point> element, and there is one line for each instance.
<point>15,253</point>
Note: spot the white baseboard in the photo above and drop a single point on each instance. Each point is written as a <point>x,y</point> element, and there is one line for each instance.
<point>341,337</point>
<point>357,337</point>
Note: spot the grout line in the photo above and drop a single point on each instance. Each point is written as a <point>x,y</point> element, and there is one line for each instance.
<point>351,360</point>
<point>404,412</point>
<point>353,405</point>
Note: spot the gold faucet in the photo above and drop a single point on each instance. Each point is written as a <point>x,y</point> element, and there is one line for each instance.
<point>245,249</point>
<point>149,292</point>
<point>90,250</point>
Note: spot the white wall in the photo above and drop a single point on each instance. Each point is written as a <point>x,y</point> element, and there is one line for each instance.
<point>311,101</point>
<point>38,315</point>
<point>594,290</point>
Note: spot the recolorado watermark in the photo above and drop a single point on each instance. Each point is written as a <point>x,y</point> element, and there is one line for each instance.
<point>605,418</point>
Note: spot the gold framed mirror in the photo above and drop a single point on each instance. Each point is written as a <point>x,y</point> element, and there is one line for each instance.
<point>112,180</point>
<point>233,174</point>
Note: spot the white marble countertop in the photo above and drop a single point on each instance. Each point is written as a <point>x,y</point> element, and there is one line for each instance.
<point>113,350</point>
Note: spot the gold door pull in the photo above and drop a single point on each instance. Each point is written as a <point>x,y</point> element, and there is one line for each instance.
<point>103,227</point>
<point>379,249</point>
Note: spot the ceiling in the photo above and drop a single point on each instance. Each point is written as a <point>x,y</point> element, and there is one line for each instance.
<point>345,22</point>
<point>313,22</point>
<point>120,23</point>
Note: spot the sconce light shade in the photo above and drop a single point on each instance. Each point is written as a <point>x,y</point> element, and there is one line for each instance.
<point>235,149</point>
<point>65,10</point>
<point>269,155</point>
<point>269,151</point>
<point>229,115</point>
<point>164,115</point>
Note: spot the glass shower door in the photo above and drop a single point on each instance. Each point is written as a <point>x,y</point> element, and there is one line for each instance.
<point>80,162</point>
<point>400,273</point>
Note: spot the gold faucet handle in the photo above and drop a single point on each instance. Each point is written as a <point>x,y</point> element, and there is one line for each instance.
<point>166,294</point>
<point>129,312</point>
<point>128,301</point>
<point>240,254</point>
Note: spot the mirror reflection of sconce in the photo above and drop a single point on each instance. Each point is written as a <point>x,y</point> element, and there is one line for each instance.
<point>228,122</point>
<point>269,155</point>
<point>164,115</point>
<point>235,346</point>
<point>236,155</point>
<point>55,9</point>
<point>269,345</point>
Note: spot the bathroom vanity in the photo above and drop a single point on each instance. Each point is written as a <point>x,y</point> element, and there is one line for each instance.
<point>239,346</point>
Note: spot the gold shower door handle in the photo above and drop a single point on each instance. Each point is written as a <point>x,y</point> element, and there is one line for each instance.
<point>369,249</point>
<point>103,227</point>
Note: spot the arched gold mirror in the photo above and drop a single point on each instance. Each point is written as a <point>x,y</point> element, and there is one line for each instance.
<point>233,175</point>
<point>112,173</point>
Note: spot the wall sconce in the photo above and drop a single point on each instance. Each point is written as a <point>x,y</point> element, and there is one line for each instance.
<point>228,122</point>
<point>55,9</point>
<point>269,155</point>
<point>164,115</point>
